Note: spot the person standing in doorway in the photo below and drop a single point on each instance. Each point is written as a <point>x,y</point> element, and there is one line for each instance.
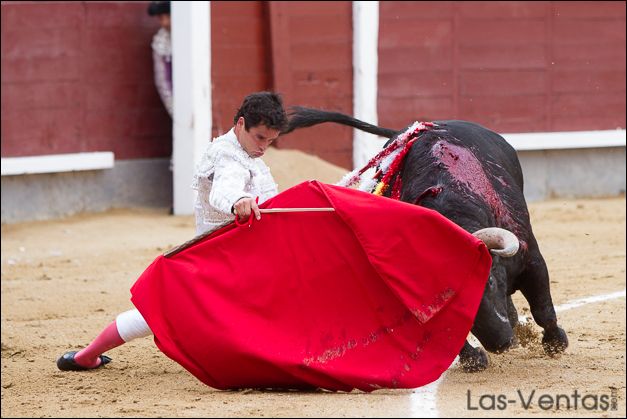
<point>162,52</point>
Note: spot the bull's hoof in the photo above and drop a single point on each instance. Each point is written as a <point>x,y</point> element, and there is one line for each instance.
<point>555,341</point>
<point>499,347</point>
<point>473,360</point>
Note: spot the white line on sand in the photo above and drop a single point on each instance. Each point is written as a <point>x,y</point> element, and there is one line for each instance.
<point>580,302</point>
<point>423,400</point>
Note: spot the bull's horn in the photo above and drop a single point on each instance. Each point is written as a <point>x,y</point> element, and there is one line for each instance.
<point>500,241</point>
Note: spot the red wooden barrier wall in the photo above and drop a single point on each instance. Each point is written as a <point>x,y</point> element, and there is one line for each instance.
<point>77,77</point>
<point>512,66</point>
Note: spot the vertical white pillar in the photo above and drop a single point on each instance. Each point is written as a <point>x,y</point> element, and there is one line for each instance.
<point>191,69</point>
<point>365,72</point>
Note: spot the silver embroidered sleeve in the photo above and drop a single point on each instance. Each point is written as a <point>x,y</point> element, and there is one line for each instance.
<point>229,183</point>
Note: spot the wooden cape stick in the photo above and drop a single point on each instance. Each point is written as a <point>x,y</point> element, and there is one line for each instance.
<point>198,238</point>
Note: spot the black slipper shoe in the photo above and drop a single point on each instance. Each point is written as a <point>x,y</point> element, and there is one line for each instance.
<point>67,362</point>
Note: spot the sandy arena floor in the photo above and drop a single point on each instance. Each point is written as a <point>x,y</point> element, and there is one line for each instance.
<point>63,280</point>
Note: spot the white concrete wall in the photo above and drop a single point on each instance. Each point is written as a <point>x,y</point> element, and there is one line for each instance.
<point>365,78</point>
<point>130,183</point>
<point>573,173</point>
<point>191,69</point>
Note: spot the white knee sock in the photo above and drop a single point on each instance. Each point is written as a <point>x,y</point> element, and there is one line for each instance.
<point>131,325</point>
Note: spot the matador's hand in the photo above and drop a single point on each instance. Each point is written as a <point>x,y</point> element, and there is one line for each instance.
<point>244,206</point>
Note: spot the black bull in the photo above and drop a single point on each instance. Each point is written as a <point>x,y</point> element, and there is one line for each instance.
<point>472,176</point>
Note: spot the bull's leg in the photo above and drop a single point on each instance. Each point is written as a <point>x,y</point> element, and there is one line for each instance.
<point>473,359</point>
<point>512,315</point>
<point>534,284</point>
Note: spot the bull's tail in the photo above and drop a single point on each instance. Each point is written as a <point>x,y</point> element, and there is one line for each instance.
<point>300,117</point>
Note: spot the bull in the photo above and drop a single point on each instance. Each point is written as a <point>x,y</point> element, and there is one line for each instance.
<point>472,176</point>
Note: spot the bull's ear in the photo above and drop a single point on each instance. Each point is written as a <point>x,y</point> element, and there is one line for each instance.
<point>501,242</point>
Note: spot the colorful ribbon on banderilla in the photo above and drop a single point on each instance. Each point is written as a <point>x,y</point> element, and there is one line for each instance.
<point>387,163</point>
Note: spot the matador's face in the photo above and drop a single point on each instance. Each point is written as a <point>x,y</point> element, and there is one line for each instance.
<point>256,140</point>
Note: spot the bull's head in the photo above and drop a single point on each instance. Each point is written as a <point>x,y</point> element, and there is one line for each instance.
<point>492,326</point>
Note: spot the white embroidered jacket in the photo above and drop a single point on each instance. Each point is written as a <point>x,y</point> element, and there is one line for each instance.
<point>225,174</point>
<point>162,62</point>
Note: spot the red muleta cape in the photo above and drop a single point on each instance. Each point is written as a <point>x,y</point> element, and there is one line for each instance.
<point>378,294</point>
